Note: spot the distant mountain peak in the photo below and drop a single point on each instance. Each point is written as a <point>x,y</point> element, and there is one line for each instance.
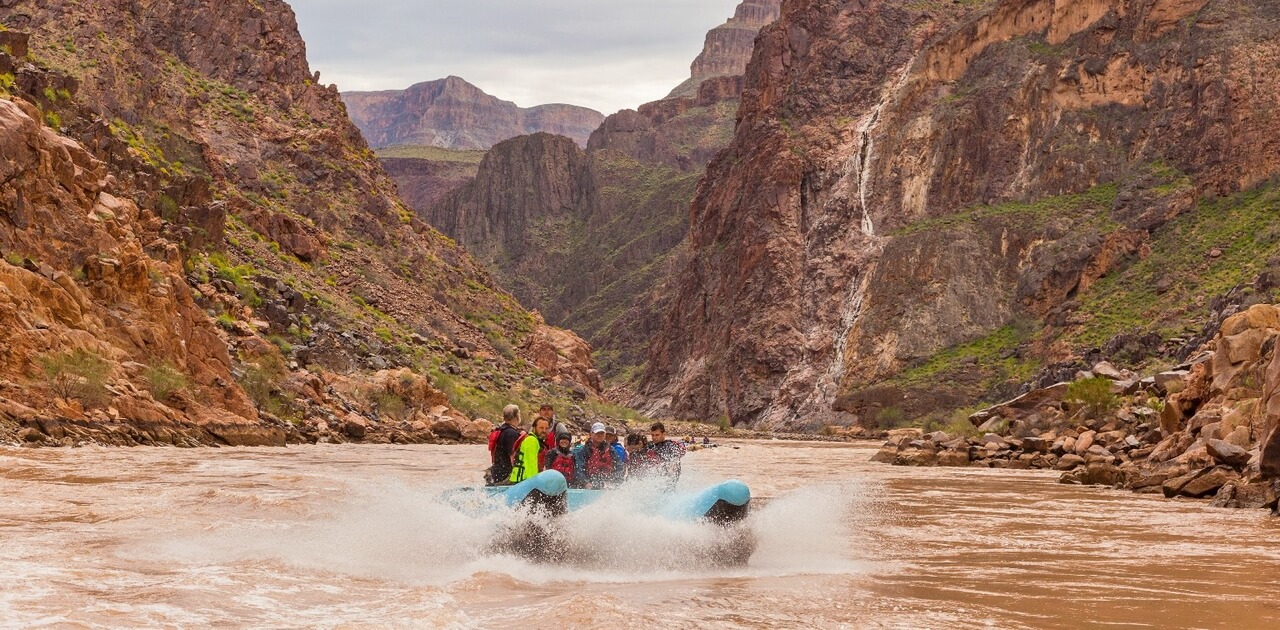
<point>453,113</point>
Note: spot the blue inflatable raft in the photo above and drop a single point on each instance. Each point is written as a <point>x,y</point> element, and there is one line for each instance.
<point>725,503</point>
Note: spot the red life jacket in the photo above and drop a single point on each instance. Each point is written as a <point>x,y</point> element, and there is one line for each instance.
<point>563,463</point>
<point>599,462</point>
<point>493,444</point>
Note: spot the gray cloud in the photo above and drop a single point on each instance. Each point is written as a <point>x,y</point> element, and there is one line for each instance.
<point>603,54</point>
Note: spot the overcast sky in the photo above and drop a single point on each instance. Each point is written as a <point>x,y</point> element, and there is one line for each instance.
<point>603,54</point>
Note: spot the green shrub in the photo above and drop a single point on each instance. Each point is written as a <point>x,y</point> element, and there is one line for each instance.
<point>389,404</point>
<point>164,381</point>
<point>78,374</point>
<point>890,418</point>
<point>261,380</point>
<point>1093,396</point>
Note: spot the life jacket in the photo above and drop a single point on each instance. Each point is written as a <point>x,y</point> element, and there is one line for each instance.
<point>517,455</point>
<point>599,462</point>
<point>493,444</point>
<point>562,462</point>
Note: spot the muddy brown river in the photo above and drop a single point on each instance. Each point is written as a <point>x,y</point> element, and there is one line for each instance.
<point>358,536</point>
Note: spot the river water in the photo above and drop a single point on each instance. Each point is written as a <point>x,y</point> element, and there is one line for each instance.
<point>357,536</point>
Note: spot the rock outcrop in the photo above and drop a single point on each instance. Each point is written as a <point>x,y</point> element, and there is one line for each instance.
<point>453,114</point>
<point>1204,429</point>
<point>728,47</point>
<point>917,184</point>
<point>199,249</point>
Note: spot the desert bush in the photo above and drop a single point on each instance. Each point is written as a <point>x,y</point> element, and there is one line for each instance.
<point>261,379</point>
<point>1093,396</point>
<point>79,374</point>
<point>164,381</point>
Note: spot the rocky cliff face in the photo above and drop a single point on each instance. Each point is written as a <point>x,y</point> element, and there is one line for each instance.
<point>454,114</point>
<point>728,47</point>
<point>200,249</point>
<point>923,203</point>
<point>588,237</point>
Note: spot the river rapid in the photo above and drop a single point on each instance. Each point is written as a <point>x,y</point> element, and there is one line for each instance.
<point>358,536</point>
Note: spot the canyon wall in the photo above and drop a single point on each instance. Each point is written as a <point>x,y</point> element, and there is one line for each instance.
<point>925,203</point>
<point>727,48</point>
<point>199,248</point>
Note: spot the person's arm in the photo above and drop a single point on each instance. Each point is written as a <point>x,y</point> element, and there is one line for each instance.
<point>580,465</point>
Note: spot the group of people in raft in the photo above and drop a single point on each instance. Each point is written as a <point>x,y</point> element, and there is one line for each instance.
<point>601,461</point>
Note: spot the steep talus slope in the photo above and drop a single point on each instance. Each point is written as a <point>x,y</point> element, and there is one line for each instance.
<point>951,190</point>
<point>217,182</point>
<point>453,114</point>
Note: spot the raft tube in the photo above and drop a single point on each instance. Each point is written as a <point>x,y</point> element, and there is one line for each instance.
<point>724,503</point>
<point>546,490</point>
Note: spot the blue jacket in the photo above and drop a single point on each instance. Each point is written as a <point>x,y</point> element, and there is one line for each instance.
<point>621,451</point>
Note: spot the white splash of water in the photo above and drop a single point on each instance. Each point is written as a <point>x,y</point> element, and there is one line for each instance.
<point>416,537</point>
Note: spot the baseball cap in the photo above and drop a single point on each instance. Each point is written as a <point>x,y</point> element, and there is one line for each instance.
<point>598,427</point>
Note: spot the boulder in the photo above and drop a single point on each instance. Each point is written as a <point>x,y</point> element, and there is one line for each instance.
<point>886,455</point>
<point>1084,442</point>
<point>953,458</point>
<point>1069,461</point>
<point>916,457</point>
<point>1209,481</point>
<point>1227,453</point>
<point>1269,463</point>
<point>354,426</point>
<point>1170,383</point>
<point>1049,396</point>
<point>1107,371</point>
<point>1101,474</point>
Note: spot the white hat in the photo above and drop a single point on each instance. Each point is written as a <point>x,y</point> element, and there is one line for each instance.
<point>597,427</point>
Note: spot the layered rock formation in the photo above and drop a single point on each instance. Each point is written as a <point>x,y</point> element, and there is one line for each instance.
<point>200,249</point>
<point>453,114</point>
<point>926,202</point>
<point>728,47</point>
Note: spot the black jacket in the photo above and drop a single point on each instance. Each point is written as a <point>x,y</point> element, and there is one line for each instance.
<point>502,452</point>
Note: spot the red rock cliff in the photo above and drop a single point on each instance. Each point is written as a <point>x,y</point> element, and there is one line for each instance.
<point>190,172</point>
<point>906,178</point>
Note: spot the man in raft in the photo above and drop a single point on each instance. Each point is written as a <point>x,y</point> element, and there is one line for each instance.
<point>527,454</point>
<point>668,454</point>
<point>598,465</point>
<point>502,446</point>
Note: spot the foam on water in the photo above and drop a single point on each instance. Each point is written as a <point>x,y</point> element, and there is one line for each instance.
<point>390,531</point>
